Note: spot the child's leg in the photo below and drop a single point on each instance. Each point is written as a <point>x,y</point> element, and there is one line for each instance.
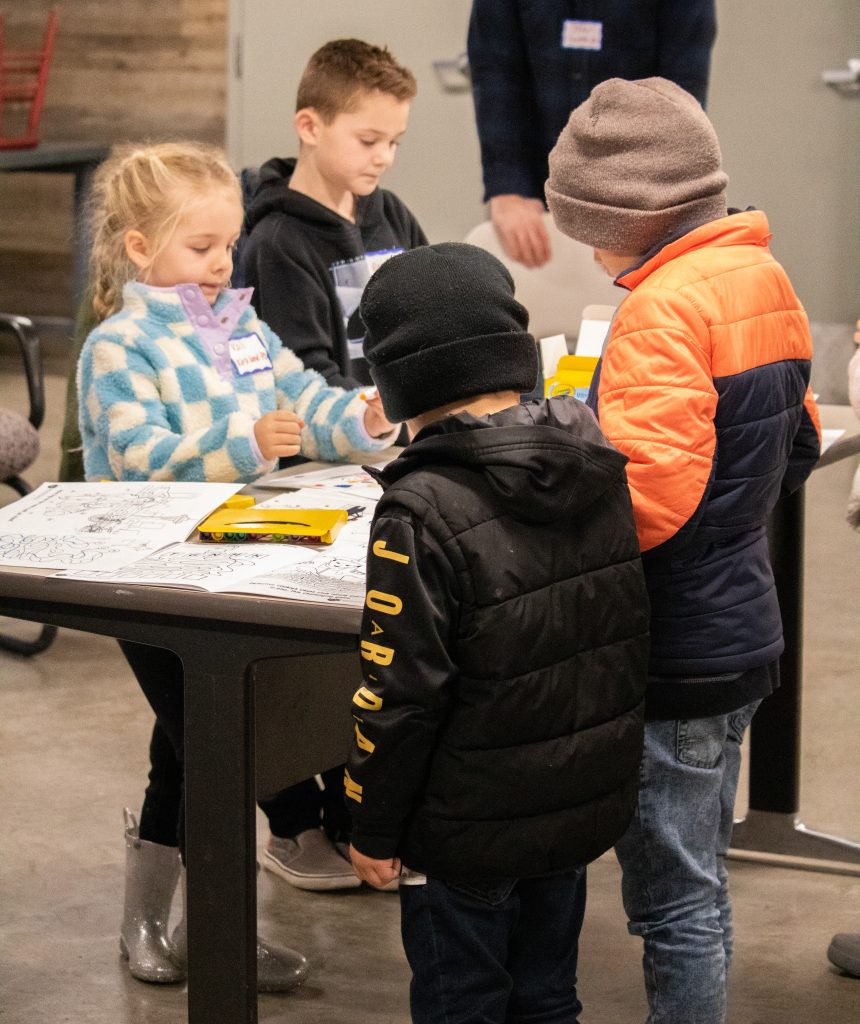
<point>160,813</point>
<point>544,949</point>
<point>159,675</point>
<point>335,813</point>
<point>670,880</point>
<point>304,805</point>
<point>456,942</point>
<point>299,850</point>
<point>294,809</point>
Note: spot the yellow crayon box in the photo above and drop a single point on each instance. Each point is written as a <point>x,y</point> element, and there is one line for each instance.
<point>238,520</point>
<point>572,377</point>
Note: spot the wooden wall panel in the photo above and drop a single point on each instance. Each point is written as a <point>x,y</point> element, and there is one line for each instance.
<point>148,69</point>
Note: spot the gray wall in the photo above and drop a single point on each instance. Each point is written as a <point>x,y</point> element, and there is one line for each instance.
<point>791,145</point>
<point>437,171</point>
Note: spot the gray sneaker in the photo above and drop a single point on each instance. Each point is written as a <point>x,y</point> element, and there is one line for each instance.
<point>844,952</point>
<point>310,861</point>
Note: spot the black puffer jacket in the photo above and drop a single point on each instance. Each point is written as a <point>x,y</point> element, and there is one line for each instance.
<point>504,649</point>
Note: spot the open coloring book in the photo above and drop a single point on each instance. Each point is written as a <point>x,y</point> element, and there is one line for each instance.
<point>102,525</point>
<point>327,573</point>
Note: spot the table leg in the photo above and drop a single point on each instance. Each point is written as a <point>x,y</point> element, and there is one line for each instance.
<point>220,838</point>
<point>772,832</point>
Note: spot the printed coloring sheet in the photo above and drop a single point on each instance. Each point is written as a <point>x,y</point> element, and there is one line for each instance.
<point>321,573</point>
<point>331,573</point>
<point>102,525</point>
<point>212,567</point>
<point>350,479</point>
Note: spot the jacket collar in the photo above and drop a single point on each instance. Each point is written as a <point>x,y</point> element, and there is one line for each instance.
<point>170,305</point>
<point>747,227</point>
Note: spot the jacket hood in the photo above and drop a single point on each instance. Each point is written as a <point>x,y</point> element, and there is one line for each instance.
<point>543,460</point>
<point>274,195</point>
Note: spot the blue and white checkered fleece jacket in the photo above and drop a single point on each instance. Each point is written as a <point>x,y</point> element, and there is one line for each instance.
<point>154,407</point>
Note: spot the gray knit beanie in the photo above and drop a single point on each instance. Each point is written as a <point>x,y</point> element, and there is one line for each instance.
<point>442,324</point>
<point>635,162</point>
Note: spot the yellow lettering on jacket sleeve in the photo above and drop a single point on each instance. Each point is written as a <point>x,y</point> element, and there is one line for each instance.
<point>353,790</point>
<point>362,742</point>
<point>380,550</point>
<point>376,653</point>
<point>375,628</point>
<point>366,699</point>
<point>389,604</point>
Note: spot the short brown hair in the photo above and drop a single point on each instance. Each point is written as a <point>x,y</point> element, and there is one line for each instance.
<point>340,71</point>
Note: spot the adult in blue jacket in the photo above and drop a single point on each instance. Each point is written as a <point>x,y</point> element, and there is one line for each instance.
<point>533,61</point>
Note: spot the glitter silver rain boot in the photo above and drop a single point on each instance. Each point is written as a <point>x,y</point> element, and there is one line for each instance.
<point>279,968</point>
<point>151,874</point>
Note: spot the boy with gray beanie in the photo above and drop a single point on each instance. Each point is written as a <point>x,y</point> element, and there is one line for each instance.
<point>503,649</point>
<point>704,385</point>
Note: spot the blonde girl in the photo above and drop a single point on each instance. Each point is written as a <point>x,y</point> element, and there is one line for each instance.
<point>182,381</point>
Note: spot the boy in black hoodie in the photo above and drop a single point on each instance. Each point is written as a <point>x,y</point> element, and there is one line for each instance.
<point>503,649</point>
<point>319,226</point>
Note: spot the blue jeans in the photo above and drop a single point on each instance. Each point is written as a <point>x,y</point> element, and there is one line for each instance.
<point>503,954</point>
<point>675,884</point>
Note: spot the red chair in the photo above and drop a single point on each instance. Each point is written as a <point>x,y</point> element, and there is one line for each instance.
<point>23,78</point>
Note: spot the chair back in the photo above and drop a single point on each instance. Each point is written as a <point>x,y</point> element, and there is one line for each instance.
<point>23,80</point>
<point>557,293</point>
<point>19,440</point>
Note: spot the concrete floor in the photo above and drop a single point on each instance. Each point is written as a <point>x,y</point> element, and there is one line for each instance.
<point>73,742</point>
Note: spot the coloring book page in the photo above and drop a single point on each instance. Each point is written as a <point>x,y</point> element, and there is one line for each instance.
<point>102,525</point>
<point>344,476</point>
<point>212,567</point>
<point>295,572</point>
<point>321,573</point>
<point>324,577</point>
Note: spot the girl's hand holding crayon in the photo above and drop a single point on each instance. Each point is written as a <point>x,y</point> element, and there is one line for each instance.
<point>375,422</point>
<point>279,434</point>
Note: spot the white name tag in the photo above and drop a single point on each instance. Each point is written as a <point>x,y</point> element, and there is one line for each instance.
<point>582,35</point>
<point>249,355</point>
<point>376,259</point>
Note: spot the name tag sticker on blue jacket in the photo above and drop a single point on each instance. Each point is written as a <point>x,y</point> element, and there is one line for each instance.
<point>249,355</point>
<point>582,35</point>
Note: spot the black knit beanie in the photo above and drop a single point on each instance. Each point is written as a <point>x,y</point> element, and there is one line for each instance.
<point>442,324</point>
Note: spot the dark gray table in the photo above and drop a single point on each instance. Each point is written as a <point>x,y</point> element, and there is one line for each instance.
<point>79,159</point>
<point>258,671</point>
<point>771,832</point>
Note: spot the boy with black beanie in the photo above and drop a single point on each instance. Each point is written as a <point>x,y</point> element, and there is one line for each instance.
<point>704,385</point>
<point>503,649</point>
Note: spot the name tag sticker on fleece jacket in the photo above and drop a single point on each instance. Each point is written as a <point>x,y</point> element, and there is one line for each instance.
<point>582,35</point>
<point>249,355</point>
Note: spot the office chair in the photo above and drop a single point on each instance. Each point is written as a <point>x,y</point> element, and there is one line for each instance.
<point>19,446</point>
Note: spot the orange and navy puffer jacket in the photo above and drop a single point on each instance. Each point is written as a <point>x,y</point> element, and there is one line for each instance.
<point>704,386</point>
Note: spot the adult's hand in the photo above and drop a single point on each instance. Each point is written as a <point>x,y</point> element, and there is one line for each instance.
<point>519,223</point>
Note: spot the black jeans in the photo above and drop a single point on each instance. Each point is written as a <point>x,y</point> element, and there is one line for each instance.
<point>494,954</point>
<point>162,817</point>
